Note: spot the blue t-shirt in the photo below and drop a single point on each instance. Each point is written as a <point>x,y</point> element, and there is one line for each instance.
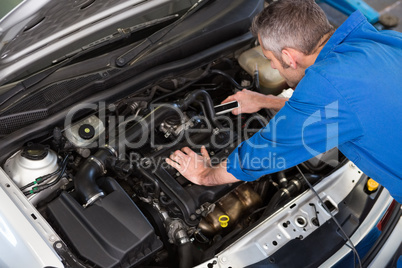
<point>350,98</point>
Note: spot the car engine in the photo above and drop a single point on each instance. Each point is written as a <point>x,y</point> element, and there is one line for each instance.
<point>103,183</point>
<point>96,170</point>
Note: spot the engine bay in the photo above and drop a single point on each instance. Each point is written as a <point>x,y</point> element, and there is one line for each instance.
<point>102,182</point>
<point>95,96</point>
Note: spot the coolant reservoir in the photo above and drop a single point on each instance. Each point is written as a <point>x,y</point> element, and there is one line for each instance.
<point>30,163</point>
<point>271,82</point>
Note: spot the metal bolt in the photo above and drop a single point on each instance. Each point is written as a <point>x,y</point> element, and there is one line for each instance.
<point>52,238</point>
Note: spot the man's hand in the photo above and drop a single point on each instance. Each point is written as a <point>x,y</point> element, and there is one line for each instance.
<point>197,168</point>
<point>191,165</point>
<point>251,102</point>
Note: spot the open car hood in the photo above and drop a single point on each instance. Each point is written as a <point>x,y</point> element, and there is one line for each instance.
<point>35,33</point>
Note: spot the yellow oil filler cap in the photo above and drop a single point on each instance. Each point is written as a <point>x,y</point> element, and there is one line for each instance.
<point>223,220</point>
<point>372,185</point>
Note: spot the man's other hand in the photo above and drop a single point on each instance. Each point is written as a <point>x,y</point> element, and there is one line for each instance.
<point>192,166</point>
<point>198,169</point>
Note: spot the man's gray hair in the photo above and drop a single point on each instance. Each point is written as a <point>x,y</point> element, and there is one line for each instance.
<point>297,24</point>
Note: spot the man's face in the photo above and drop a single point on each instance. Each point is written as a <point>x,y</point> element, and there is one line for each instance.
<point>292,76</point>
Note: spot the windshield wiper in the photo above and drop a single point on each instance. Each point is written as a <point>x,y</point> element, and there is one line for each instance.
<point>145,46</point>
<point>120,34</point>
<point>63,61</point>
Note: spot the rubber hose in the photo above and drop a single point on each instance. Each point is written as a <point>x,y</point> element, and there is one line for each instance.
<point>85,179</point>
<point>185,255</point>
<point>208,104</point>
<point>282,195</point>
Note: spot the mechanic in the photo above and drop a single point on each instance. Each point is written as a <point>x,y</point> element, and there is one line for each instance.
<point>348,87</point>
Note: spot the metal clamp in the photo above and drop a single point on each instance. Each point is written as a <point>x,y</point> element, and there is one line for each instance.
<point>111,150</point>
<point>286,191</point>
<point>93,199</point>
<point>99,163</point>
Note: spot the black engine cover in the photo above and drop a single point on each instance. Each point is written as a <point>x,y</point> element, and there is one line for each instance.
<point>110,233</point>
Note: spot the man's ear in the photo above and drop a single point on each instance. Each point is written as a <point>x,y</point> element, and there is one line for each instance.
<point>289,57</point>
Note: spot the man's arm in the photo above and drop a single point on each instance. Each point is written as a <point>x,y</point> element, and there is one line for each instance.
<point>197,168</point>
<point>311,122</point>
<point>251,102</point>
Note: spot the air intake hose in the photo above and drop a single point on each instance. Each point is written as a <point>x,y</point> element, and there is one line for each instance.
<point>93,168</point>
<point>209,106</point>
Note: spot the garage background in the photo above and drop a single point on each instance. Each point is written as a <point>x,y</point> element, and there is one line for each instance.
<point>392,7</point>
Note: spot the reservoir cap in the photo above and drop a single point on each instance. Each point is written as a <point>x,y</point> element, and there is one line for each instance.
<point>86,131</point>
<point>35,151</point>
<point>372,185</point>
